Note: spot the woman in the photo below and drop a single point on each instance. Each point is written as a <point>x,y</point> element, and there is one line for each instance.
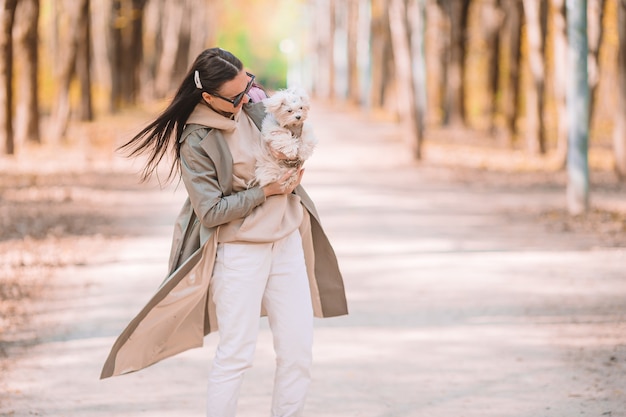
<point>237,252</point>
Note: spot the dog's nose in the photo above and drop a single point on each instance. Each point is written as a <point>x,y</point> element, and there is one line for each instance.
<point>298,117</point>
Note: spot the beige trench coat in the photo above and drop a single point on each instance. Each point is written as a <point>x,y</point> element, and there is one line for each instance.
<point>182,312</point>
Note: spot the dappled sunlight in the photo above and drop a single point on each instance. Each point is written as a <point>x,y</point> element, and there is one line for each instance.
<point>436,333</point>
<point>439,371</point>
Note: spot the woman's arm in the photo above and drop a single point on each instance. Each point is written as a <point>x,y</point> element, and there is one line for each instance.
<point>200,178</point>
<point>210,205</point>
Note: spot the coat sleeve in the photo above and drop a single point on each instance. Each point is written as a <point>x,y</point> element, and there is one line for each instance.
<point>199,175</point>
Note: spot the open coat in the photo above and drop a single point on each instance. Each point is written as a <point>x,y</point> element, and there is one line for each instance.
<point>182,312</point>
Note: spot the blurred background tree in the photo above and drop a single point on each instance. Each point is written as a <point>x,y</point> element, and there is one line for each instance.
<point>497,68</point>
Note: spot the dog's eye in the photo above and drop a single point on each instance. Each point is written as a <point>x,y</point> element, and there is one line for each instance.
<point>289,111</point>
<point>300,108</point>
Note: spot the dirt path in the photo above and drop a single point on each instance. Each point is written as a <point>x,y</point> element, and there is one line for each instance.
<point>470,295</point>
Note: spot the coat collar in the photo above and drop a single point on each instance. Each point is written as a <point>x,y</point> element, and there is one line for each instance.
<point>206,116</point>
<point>214,143</point>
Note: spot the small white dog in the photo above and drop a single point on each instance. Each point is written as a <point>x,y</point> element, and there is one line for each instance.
<point>286,141</point>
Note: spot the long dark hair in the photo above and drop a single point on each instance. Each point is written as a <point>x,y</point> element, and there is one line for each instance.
<point>215,66</point>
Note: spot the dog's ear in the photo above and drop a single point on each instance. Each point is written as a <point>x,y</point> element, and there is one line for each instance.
<point>305,98</point>
<point>273,103</point>
<point>301,94</point>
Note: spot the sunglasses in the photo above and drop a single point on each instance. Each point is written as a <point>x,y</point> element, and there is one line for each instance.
<point>237,99</point>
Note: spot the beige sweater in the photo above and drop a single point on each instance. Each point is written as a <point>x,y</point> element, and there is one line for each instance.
<point>279,215</point>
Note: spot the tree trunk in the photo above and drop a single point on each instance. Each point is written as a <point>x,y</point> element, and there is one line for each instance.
<point>619,135</point>
<point>353,94</point>
<point>115,55</point>
<point>173,18</point>
<point>595,32</point>
<point>332,16</point>
<point>578,108</point>
<point>7,18</point>
<point>491,19</point>
<point>561,74</point>
<point>535,13</point>
<point>153,43</point>
<point>443,58</point>
<point>183,50</point>
<point>62,109</point>
<point>133,53</point>
<point>416,11</point>
<point>27,111</point>
<point>401,57</point>
<point>458,51</point>
<point>213,8</point>
<point>83,63</point>
<point>101,73</point>
<point>407,104</point>
<point>203,22</point>
<point>454,96</point>
<point>364,62</point>
<point>379,47</point>
<point>126,50</point>
<point>512,32</point>
<point>324,77</point>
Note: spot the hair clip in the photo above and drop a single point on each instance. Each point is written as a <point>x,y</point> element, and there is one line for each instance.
<point>196,79</point>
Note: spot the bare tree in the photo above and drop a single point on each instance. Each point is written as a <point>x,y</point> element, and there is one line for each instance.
<point>341,53</point>
<point>512,34</point>
<point>452,81</point>
<point>578,108</point>
<point>561,74</point>
<point>153,48</point>
<point>83,63</point>
<point>401,57</point>
<point>74,13</point>
<point>332,13</point>
<point>183,44</point>
<point>381,54</point>
<point>324,21</point>
<point>491,19</point>
<point>202,20</point>
<point>595,32</point>
<point>405,77</point>
<point>535,12</point>
<point>364,61</point>
<point>7,18</point>
<point>619,135</point>
<point>126,50</point>
<point>416,18</point>
<point>174,33</point>
<point>27,111</point>
<point>354,94</point>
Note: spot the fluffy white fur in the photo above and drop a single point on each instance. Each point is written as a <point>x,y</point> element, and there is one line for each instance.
<point>284,130</point>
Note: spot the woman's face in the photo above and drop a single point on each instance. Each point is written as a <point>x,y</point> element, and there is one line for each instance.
<point>235,90</point>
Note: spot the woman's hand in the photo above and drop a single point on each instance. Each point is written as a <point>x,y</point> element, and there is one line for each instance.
<point>278,187</point>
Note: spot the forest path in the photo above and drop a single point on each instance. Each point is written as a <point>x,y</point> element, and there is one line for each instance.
<point>468,294</point>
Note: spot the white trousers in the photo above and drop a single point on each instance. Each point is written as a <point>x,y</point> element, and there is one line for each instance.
<point>247,276</point>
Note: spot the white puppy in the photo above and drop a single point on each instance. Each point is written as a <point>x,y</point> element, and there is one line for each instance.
<point>286,141</point>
